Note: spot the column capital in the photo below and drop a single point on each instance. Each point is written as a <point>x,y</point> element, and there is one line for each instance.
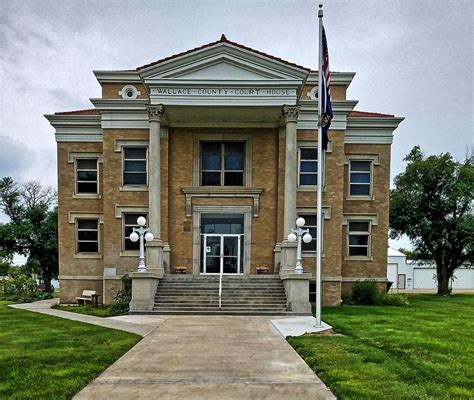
<point>290,113</point>
<point>155,112</point>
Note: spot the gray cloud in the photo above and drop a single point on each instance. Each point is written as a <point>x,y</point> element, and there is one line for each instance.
<point>412,58</point>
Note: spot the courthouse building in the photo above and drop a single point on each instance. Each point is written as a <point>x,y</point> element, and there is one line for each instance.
<point>216,147</point>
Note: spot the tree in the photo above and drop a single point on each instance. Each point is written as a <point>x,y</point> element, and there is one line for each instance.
<point>432,203</point>
<point>33,227</point>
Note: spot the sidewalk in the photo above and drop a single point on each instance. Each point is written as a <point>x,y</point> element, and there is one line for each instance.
<point>199,357</point>
<point>44,307</point>
<point>209,357</point>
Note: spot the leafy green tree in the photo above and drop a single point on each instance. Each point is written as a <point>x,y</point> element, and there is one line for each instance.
<point>33,227</point>
<point>432,203</point>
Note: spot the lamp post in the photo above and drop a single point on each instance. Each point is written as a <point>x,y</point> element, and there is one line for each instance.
<point>143,234</point>
<point>295,236</point>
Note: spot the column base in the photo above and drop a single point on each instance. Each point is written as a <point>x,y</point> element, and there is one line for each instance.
<point>154,256</point>
<point>287,258</point>
<point>297,292</point>
<point>144,286</point>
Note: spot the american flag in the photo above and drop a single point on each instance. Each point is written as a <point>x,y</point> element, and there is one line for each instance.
<point>326,115</point>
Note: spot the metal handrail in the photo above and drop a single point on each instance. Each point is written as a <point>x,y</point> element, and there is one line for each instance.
<point>220,289</point>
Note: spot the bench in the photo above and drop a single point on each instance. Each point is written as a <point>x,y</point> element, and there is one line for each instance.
<point>88,295</point>
<point>263,270</point>
<point>180,270</point>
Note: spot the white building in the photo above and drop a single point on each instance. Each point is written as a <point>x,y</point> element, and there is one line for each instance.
<point>409,275</point>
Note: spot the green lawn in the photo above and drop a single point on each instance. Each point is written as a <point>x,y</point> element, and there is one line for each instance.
<point>44,357</point>
<point>423,351</point>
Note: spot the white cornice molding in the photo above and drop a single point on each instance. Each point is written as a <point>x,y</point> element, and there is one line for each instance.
<point>308,115</point>
<point>119,104</point>
<point>117,76</point>
<point>371,130</point>
<point>221,49</point>
<point>337,78</point>
<point>76,128</point>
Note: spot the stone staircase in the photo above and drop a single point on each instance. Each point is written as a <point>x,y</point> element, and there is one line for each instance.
<point>199,295</point>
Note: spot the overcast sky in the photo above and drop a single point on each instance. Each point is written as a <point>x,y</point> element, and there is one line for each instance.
<point>412,58</point>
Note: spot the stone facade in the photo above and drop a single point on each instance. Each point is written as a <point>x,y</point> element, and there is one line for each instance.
<point>191,114</point>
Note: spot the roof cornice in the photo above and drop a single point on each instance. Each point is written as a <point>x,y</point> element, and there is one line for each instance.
<point>337,78</point>
<point>117,76</point>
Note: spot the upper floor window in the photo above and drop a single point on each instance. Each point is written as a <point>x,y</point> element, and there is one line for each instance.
<point>222,163</point>
<point>308,166</point>
<point>87,235</point>
<point>86,175</point>
<point>130,222</point>
<point>359,238</point>
<point>134,165</point>
<point>360,178</point>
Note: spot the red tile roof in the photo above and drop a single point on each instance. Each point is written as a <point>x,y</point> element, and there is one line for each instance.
<point>91,111</point>
<point>368,114</point>
<point>223,39</point>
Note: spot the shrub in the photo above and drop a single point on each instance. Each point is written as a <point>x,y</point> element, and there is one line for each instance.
<point>123,297</point>
<point>394,300</point>
<point>19,286</point>
<point>364,293</point>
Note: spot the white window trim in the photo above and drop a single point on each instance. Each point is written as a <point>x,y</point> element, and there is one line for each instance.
<point>119,212</point>
<point>372,220</point>
<point>222,137</point>
<point>374,160</point>
<point>301,212</point>
<point>311,144</point>
<point>119,148</point>
<point>76,236</point>
<point>125,252</point>
<point>72,157</point>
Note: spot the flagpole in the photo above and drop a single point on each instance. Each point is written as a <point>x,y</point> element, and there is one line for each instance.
<point>319,208</point>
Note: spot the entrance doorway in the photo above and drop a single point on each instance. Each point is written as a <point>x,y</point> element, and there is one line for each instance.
<point>222,243</point>
<point>221,254</point>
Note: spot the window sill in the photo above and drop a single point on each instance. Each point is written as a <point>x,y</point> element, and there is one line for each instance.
<point>129,253</point>
<point>308,189</point>
<point>86,196</point>
<point>92,255</point>
<point>361,198</point>
<point>311,254</point>
<point>138,188</point>
<point>358,258</point>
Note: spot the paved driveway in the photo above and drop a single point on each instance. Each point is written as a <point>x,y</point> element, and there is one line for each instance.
<point>209,357</point>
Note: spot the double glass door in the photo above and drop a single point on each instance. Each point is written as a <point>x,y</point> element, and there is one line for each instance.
<point>221,254</point>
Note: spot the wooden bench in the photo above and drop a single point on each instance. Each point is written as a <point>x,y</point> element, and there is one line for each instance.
<point>263,270</point>
<point>88,295</point>
<point>180,270</point>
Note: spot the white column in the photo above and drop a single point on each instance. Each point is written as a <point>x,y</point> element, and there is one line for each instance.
<point>291,168</point>
<point>154,248</point>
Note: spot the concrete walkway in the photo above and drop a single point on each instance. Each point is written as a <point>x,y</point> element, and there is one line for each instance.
<point>44,307</point>
<point>199,357</point>
<point>209,357</point>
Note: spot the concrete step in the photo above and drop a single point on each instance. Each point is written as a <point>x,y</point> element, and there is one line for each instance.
<point>217,309</point>
<point>174,299</point>
<point>219,312</point>
<point>214,303</point>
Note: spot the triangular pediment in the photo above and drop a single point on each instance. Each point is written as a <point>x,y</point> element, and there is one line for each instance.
<point>222,61</point>
<point>224,70</point>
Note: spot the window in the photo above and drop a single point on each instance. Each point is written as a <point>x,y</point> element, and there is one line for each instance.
<point>135,166</point>
<point>86,175</point>
<point>222,163</point>
<point>130,222</point>
<point>308,165</point>
<point>359,238</point>
<point>360,174</point>
<point>311,225</point>
<point>87,235</point>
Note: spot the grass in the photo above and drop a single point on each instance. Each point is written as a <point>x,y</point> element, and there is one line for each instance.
<point>45,357</point>
<point>88,310</point>
<point>423,351</point>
